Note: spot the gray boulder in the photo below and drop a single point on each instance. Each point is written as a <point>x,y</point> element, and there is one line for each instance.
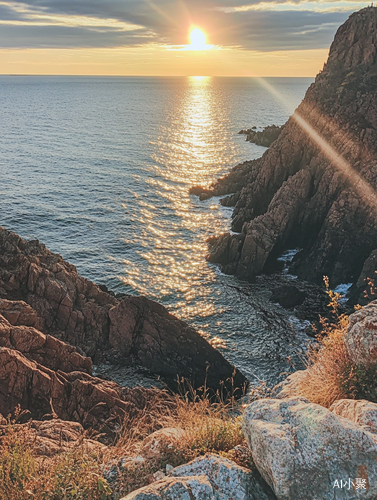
<point>229,480</point>
<point>361,338</point>
<point>306,452</point>
<point>183,488</point>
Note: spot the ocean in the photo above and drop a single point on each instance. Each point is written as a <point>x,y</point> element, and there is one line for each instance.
<point>99,169</point>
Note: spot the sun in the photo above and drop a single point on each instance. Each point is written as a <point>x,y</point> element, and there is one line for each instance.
<point>197,39</point>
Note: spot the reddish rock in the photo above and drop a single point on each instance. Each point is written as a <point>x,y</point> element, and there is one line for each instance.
<point>44,349</point>
<point>76,311</point>
<point>76,396</point>
<point>19,313</point>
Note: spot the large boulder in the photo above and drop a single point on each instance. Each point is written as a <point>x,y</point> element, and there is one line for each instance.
<point>303,450</point>
<point>183,488</point>
<point>361,337</point>
<point>44,349</point>
<point>229,480</point>
<point>362,412</point>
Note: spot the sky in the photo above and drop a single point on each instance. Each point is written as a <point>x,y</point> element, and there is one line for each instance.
<point>152,37</point>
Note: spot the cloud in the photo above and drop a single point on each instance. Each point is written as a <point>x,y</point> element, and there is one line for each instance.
<point>272,26</point>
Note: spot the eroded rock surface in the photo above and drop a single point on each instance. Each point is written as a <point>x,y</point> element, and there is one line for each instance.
<point>361,337</point>
<point>44,349</point>
<point>301,449</point>
<point>229,480</point>
<point>183,488</point>
<point>76,396</point>
<point>299,195</point>
<point>362,412</point>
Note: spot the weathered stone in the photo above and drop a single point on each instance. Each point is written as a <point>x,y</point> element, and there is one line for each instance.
<point>362,412</point>
<point>229,480</point>
<point>183,488</point>
<point>19,313</point>
<point>44,349</point>
<point>76,396</point>
<point>301,449</point>
<point>361,337</point>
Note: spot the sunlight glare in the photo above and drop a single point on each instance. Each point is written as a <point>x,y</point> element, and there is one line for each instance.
<point>197,39</point>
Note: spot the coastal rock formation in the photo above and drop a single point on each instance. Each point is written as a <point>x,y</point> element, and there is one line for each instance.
<point>315,188</point>
<point>263,137</point>
<point>76,396</point>
<point>44,349</point>
<point>130,330</point>
<point>301,449</point>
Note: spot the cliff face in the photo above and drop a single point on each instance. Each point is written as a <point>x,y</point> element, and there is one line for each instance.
<point>314,188</point>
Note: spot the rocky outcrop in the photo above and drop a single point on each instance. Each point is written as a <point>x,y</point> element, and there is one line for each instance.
<point>303,450</point>
<point>76,396</point>
<point>44,349</point>
<point>193,488</point>
<point>132,330</point>
<point>315,187</point>
<point>263,137</point>
<point>144,331</point>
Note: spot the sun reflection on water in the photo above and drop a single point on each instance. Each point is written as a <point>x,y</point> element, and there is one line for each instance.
<point>193,146</point>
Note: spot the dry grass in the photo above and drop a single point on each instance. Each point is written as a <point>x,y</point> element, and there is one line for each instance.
<point>25,476</point>
<point>330,374</point>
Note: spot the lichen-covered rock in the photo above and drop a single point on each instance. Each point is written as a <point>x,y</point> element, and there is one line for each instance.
<point>361,338</point>
<point>183,488</point>
<point>229,480</point>
<point>44,349</point>
<point>301,449</point>
<point>362,412</point>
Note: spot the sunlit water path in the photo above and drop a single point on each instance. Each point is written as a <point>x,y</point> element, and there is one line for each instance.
<point>99,169</point>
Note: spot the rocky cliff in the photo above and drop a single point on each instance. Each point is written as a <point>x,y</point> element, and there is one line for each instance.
<point>315,187</point>
<point>46,295</point>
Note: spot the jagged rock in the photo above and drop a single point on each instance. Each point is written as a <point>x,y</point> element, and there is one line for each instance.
<point>301,449</point>
<point>145,331</point>
<point>295,196</point>
<point>76,396</point>
<point>44,349</point>
<point>157,442</point>
<point>52,437</point>
<point>365,288</point>
<point>263,137</point>
<point>362,412</point>
<point>229,480</point>
<point>19,313</point>
<point>76,311</point>
<point>288,296</point>
<point>183,488</point>
<point>361,337</point>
